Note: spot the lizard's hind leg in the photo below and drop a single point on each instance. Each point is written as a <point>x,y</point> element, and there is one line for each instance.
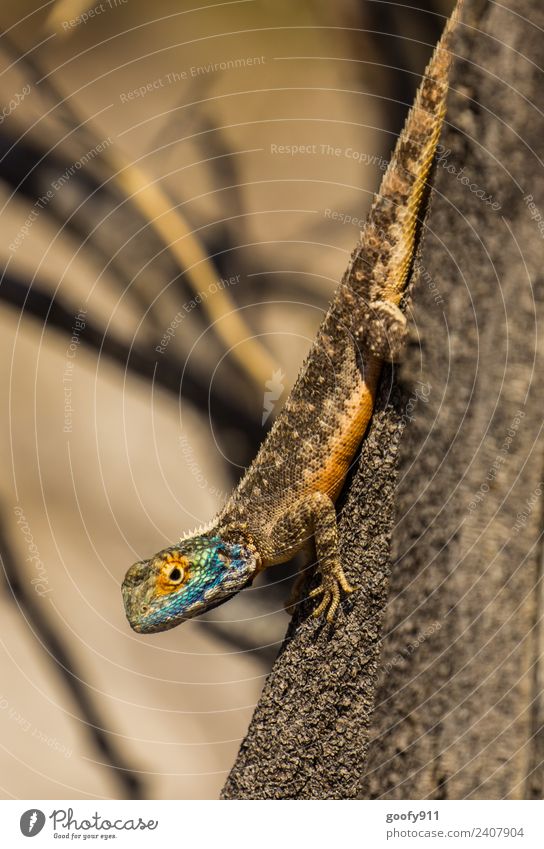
<point>315,515</point>
<point>382,330</point>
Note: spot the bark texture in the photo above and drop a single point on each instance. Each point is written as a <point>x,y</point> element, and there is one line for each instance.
<point>430,685</point>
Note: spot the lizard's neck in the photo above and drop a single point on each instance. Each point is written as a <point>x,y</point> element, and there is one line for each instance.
<point>237,536</point>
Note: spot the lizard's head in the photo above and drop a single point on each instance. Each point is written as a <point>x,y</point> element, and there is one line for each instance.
<point>186,579</point>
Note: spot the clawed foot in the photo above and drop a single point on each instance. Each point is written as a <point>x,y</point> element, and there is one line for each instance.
<point>296,595</point>
<point>315,513</point>
<point>331,583</point>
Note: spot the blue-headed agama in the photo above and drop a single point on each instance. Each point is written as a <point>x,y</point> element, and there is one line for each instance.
<point>285,501</point>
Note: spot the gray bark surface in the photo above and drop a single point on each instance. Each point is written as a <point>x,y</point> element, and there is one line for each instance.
<point>429,687</point>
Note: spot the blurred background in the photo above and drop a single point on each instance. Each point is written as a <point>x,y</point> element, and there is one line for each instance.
<point>181,187</point>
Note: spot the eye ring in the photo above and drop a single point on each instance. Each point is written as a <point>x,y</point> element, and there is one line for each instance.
<point>176,575</point>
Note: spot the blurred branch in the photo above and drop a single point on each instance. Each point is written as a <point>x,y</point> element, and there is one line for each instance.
<point>146,195</point>
<point>64,663</point>
<point>183,243</point>
<point>166,372</point>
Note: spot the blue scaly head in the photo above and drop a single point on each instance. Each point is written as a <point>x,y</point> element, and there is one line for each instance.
<point>186,579</point>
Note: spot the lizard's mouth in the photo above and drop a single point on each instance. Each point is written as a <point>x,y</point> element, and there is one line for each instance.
<point>149,619</point>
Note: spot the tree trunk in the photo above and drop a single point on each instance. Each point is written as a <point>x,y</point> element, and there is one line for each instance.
<point>429,686</point>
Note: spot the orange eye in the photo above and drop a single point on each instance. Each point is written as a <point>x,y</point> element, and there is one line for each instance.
<point>176,575</point>
<point>173,573</point>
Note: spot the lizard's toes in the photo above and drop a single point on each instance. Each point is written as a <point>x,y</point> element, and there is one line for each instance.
<point>325,601</point>
<point>344,583</point>
<point>331,613</point>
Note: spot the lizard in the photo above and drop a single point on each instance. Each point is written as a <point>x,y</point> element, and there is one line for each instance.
<point>285,501</point>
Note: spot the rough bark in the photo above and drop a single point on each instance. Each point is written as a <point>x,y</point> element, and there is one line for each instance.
<point>436,657</point>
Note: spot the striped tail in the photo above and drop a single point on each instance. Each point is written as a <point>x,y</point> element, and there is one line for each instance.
<point>382,261</point>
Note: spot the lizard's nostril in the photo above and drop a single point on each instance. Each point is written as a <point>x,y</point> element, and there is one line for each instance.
<point>133,590</point>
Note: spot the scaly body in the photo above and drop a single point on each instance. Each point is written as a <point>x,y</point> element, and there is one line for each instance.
<point>285,501</point>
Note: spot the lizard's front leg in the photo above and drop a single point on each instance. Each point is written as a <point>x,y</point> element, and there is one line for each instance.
<point>296,595</point>
<point>315,515</point>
